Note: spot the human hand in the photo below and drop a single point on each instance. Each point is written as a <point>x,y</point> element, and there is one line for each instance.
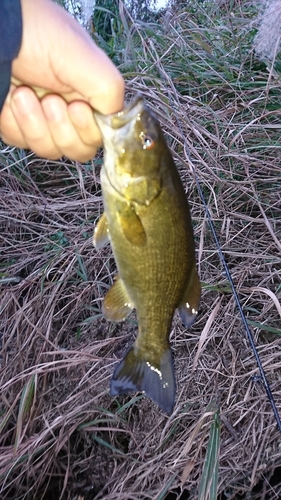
<point>59,61</point>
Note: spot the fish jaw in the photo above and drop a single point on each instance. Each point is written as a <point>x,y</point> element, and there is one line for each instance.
<point>133,148</point>
<point>115,129</point>
<point>108,124</point>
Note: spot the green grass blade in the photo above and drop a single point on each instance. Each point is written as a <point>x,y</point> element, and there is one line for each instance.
<point>25,408</point>
<point>164,491</point>
<point>209,481</point>
<point>265,328</point>
<point>108,445</point>
<point>5,419</point>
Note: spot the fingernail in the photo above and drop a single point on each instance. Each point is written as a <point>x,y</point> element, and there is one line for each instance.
<point>79,117</point>
<point>52,110</point>
<point>24,102</point>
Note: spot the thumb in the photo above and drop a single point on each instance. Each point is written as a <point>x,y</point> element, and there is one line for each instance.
<point>90,72</point>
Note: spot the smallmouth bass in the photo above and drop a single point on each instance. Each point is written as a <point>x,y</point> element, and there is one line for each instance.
<point>147,221</point>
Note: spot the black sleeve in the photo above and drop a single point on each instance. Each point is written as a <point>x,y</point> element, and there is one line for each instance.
<point>10,42</point>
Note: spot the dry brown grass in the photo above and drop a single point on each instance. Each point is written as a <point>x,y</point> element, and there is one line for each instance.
<point>62,435</point>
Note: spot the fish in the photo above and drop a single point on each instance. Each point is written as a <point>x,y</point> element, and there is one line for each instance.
<point>147,221</point>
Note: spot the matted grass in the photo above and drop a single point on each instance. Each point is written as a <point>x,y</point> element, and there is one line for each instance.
<point>61,434</point>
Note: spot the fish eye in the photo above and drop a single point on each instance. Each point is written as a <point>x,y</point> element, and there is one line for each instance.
<point>147,141</point>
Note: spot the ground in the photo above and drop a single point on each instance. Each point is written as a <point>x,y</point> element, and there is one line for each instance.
<point>61,433</point>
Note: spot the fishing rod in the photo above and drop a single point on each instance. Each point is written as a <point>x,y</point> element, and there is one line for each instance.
<point>228,274</point>
<point>172,91</point>
<point>238,303</point>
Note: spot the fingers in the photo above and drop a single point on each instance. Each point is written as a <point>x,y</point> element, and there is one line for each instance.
<point>24,124</point>
<point>72,127</point>
<point>58,56</point>
<point>51,128</point>
<point>10,133</point>
<point>82,117</point>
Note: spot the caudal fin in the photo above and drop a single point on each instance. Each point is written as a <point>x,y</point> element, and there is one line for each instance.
<point>136,373</point>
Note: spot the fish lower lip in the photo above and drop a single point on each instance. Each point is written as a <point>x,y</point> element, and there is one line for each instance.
<point>131,105</point>
<point>118,120</point>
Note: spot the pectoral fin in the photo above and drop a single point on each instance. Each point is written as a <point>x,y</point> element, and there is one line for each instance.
<point>188,307</point>
<point>131,225</point>
<point>101,233</point>
<point>117,305</point>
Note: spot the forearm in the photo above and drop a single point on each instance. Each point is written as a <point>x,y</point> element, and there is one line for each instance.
<point>10,42</point>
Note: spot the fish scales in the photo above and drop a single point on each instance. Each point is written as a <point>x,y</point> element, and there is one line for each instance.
<point>147,221</point>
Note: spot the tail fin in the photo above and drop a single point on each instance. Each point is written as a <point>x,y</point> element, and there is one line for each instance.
<point>137,373</point>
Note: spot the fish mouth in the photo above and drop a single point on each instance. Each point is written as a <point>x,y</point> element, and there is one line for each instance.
<point>116,121</point>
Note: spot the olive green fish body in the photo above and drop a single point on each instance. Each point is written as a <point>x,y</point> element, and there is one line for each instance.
<point>147,221</point>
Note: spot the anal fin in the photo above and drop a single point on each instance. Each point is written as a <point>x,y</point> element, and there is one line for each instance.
<point>136,373</point>
<point>188,308</point>
<point>116,304</point>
